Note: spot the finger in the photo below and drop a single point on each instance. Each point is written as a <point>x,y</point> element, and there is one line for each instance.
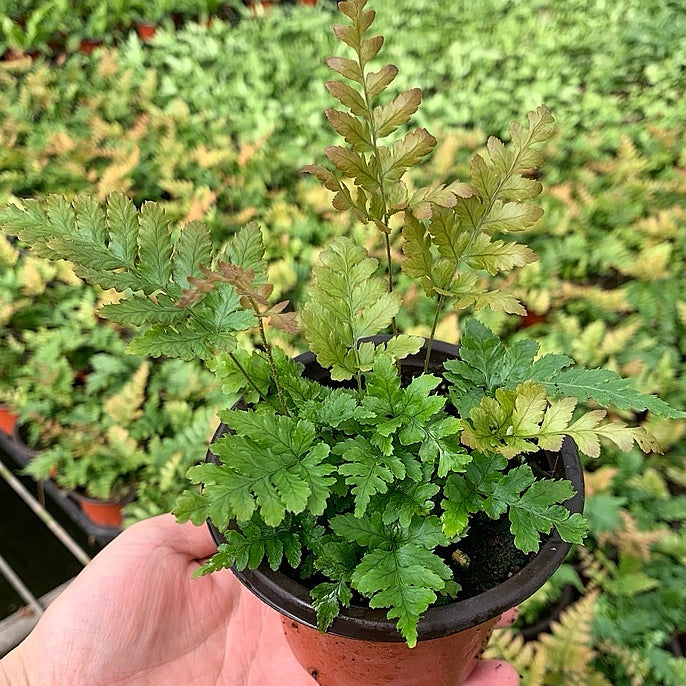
<point>508,618</point>
<point>194,542</point>
<point>493,673</point>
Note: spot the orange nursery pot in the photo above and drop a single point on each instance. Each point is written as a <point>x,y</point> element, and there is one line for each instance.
<point>87,45</point>
<point>106,513</point>
<point>337,661</point>
<point>146,31</point>
<point>101,512</point>
<point>8,420</point>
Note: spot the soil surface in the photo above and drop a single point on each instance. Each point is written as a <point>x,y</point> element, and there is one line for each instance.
<point>493,558</point>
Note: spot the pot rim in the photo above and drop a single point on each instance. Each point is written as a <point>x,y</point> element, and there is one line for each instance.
<point>292,599</point>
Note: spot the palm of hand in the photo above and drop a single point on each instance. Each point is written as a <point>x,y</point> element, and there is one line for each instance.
<point>136,617</point>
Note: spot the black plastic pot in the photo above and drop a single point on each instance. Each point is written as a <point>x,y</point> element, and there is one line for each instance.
<point>292,599</point>
<point>26,452</point>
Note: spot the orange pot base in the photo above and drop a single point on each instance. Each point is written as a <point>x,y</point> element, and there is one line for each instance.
<point>102,513</point>
<point>338,661</point>
<point>8,421</point>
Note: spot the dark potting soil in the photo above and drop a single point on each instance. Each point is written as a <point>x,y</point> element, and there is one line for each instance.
<point>491,556</point>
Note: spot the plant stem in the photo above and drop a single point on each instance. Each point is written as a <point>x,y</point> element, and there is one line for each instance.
<point>385,218</point>
<point>234,359</point>
<point>270,359</point>
<point>394,324</point>
<point>439,308</point>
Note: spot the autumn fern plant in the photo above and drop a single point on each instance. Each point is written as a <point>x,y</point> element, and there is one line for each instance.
<point>367,485</point>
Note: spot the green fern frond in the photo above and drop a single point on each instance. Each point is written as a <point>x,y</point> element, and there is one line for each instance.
<point>276,468</point>
<point>347,303</point>
<point>126,405</point>
<point>141,254</point>
<point>634,665</point>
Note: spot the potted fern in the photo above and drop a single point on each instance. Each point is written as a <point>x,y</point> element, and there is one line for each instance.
<point>129,436</point>
<point>124,429</point>
<point>357,487</point>
<point>68,394</point>
<point>47,345</point>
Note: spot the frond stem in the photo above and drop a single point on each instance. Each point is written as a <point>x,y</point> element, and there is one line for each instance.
<point>380,179</point>
<point>437,316</point>
<point>234,359</point>
<point>270,359</point>
<point>242,370</point>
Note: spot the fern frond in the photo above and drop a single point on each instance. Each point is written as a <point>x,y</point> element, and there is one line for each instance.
<point>276,468</point>
<point>447,253</point>
<point>607,389</point>
<point>524,420</point>
<point>140,253</point>
<point>630,540</point>
<point>346,304</point>
<point>126,406</point>
<point>248,546</point>
<point>400,571</point>
<point>596,567</point>
<point>498,178</point>
<point>634,665</point>
<point>532,506</point>
<point>376,168</point>
<point>525,657</point>
<point>569,645</point>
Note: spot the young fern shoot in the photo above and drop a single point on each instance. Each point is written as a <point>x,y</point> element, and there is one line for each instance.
<point>448,234</point>
<point>348,304</point>
<point>448,253</point>
<point>376,168</point>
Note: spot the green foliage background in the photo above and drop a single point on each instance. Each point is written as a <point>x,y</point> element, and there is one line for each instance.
<point>216,122</point>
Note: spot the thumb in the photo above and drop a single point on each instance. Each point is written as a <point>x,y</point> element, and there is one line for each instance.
<point>493,673</point>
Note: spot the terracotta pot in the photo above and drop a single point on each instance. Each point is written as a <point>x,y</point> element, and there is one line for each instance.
<point>14,55</point>
<point>362,646</point>
<point>531,319</point>
<point>337,661</point>
<point>87,45</point>
<point>106,513</point>
<point>146,31</point>
<point>8,420</point>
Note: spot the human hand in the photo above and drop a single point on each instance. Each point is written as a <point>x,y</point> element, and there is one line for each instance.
<point>135,616</point>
